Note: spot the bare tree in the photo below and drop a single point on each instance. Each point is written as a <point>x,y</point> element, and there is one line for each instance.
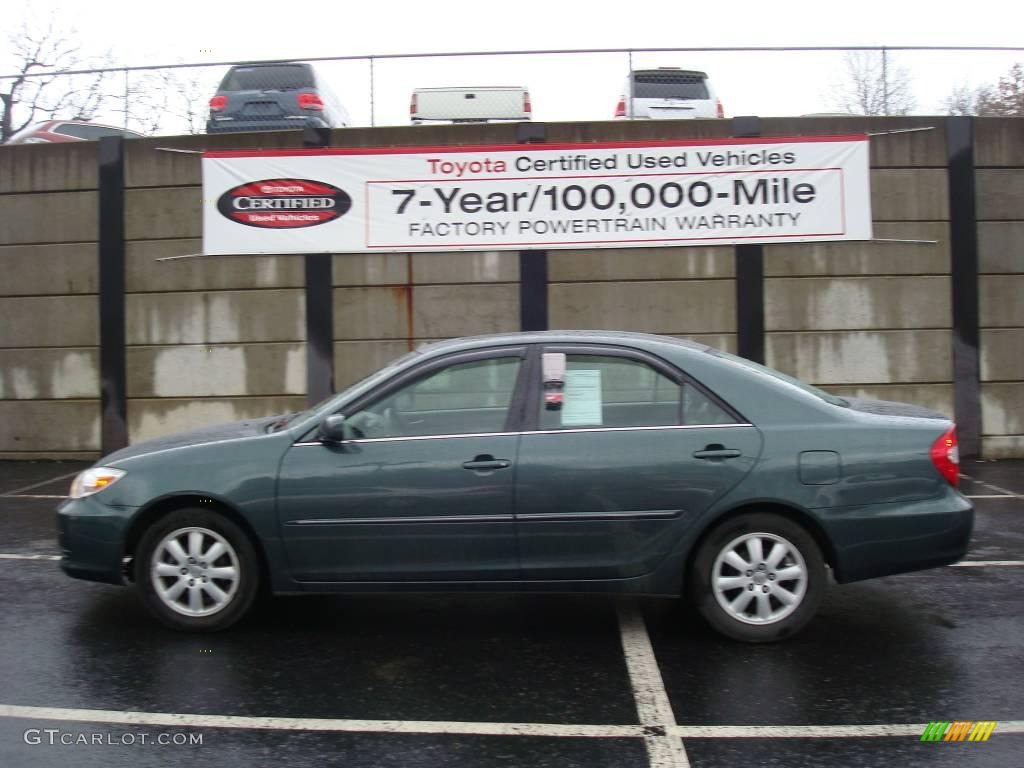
<point>962,100</point>
<point>1006,99</point>
<point>874,85</point>
<point>164,101</point>
<point>49,48</point>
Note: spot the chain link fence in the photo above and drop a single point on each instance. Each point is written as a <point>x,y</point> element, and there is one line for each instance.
<point>546,86</point>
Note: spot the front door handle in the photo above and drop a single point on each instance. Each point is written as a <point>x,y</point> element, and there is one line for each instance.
<point>717,452</point>
<point>485,462</point>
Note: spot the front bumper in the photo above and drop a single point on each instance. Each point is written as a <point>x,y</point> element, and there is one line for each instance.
<point>884,539</point>
<point>91,539</point>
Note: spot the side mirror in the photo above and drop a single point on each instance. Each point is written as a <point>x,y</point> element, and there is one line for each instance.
<point>333,429</point>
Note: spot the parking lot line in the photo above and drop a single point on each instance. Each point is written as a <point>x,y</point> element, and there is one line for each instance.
<point>989,496</point>
<point>16,491</point>
<point>119,717</point>
<point>996,488</point>
<point>30,496</point>
<point>664,750</point>
<point>676,732</point>
<point>29,557</point>
<point>820,731</point>
<point>986,563</point>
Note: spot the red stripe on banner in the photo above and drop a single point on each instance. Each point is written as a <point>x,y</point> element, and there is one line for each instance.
<point>472,148</point>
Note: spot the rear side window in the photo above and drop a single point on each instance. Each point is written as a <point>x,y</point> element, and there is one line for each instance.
<point>271,77</point>
<point>90,131</point>
<point>669,85</point>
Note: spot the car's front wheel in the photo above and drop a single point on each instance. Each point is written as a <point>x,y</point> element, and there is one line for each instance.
<point>758,577</point>
<point>197,570</point>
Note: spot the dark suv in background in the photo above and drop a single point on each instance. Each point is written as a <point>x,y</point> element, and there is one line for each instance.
<point>274,97</point>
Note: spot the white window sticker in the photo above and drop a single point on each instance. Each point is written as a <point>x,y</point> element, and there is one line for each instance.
<point>582,399</point>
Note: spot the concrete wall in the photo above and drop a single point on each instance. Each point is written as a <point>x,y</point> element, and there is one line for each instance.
<point>216,339</point>
<point>1000,189</point>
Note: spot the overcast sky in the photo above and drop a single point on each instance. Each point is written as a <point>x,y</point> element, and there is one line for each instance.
<point>563,88</point>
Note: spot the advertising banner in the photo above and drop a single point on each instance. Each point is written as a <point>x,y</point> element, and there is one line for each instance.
<point>537,196</point>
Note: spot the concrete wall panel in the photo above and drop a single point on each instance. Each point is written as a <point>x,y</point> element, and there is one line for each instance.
<point>918,149</point>
<point>909,194</point>
<point>48,167</point>
<point>672,307</point>
<point>442,311</point>
<point>39,270</point>
<point>49,217</point>
<point>164,213</point>
<point>1002,408</point>
<point>1000,193</point>
<point>217,370</point>
<point>49,425</point>
<point>862,357</point>
<point>369,268</point>
<point>866,257</point>
<point>1002,354</point>
<point>49,321</point>
<point>49,374</point>
<point>215,317</point>
<point>999,141</point>
<point>372,313</point>
<point>465,267</point>
<point>1001,246</point>
<point>1002,301</point>
<point>1002,446</point>
<point>155,418</point>
<point>857,303</point>
<point>143,273</point>
<point>641,264</point>
<point>355,359</point>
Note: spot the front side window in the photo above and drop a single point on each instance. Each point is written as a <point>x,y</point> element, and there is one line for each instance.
<point>592,391</point>
<point>465,398</point>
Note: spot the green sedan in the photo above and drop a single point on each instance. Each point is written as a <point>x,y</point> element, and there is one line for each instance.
<point>563,461</point>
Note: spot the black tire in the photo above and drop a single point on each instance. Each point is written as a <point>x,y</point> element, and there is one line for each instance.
<point>238,556</point>
<point>764,585</point>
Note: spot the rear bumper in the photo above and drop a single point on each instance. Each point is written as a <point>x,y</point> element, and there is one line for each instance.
<point>91,539</point>
<point>884,539</point>
<point>298,122</point>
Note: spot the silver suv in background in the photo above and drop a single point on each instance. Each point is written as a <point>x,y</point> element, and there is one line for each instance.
<point>274,97</point>
<point>668,93</point>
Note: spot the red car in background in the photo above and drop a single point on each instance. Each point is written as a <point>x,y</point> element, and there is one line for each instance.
<point>55,131</point>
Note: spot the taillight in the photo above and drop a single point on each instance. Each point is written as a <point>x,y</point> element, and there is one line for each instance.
<point>620,108</point>
<point>946,456</point>
<point>719,109</point>
<point>527,107</point>
<point>217,103</point>
<point>310,101</point>
<point>412,105</point>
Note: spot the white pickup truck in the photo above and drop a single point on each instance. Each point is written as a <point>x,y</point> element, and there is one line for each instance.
<point>470,105</point>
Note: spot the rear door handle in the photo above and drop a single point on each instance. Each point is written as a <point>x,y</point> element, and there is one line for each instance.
<point>485,462</point>
<point>717,453</point>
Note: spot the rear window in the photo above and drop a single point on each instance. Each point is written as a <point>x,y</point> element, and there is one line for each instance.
<point>669,85</point>
<point>274,77</point>
<point>766,371</point>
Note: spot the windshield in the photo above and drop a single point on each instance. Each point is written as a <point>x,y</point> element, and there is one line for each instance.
<point>379,373</point>
<point>764,369</point>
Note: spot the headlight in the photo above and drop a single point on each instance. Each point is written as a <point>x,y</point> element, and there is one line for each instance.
<point>94,480</point>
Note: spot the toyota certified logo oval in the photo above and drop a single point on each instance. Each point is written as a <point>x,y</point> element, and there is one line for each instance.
<point>284,203</point>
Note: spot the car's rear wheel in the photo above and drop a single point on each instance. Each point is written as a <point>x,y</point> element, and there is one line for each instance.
<point>196,570</point>
<point>758,577</point>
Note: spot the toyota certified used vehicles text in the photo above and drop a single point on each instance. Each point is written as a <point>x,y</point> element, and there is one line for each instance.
<point>274,97</point>
<point>559,461</point>
<point>668,93</point>
<point>60,131</point>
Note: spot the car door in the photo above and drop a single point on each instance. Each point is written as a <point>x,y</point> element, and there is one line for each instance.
<point>620,455</point>
<point>423,490</point>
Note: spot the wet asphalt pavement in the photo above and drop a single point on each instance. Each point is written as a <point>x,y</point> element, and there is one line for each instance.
<point>505,681</point>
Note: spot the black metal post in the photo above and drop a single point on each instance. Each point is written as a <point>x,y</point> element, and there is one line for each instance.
<point>319,306</point>
<point>963,235</point>
<point>749,275</point>
<point>533,265</point>
<point>113,402</point>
